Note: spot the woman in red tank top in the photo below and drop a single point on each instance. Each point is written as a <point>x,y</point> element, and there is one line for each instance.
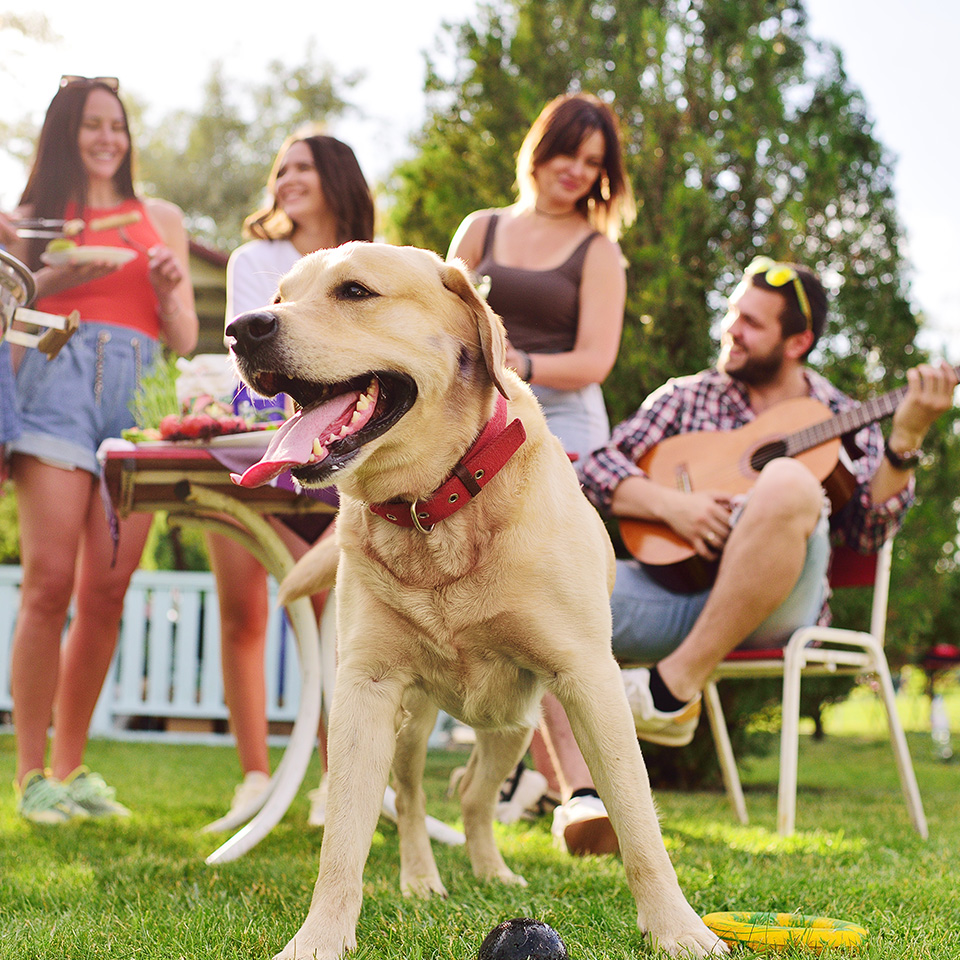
<point>68,406</point>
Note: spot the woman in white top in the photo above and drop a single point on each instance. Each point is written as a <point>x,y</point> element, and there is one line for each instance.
<point>317,198</point>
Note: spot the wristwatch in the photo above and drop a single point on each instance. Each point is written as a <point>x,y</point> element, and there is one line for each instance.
<point>902,461</point>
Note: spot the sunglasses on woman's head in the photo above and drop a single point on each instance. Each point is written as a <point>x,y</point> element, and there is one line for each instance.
<point>112,82</point>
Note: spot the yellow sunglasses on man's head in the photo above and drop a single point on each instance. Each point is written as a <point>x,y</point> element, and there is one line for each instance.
<point>779,275</point>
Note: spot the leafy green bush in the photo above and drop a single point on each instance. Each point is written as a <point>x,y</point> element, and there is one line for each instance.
<point>9,528</point>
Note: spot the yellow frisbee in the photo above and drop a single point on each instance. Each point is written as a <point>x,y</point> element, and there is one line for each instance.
<point>773,931</point>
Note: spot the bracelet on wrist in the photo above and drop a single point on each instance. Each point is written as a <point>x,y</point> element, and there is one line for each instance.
<point>526,369</point>
<point>902,461</point>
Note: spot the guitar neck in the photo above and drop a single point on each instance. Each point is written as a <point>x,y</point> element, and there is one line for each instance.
<point>869,411</point>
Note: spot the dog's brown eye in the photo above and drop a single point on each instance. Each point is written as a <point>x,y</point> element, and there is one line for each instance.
<point>351,290</point>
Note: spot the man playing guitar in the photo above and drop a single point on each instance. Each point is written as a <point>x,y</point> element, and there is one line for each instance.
<point>770,545</point>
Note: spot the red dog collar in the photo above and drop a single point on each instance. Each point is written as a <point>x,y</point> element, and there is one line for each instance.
<point>496,444</point>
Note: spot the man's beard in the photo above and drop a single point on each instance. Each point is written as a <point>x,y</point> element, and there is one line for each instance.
<point>755,371</point>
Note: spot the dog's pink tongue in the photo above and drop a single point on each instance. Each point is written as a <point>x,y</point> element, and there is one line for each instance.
<point>293,444</point>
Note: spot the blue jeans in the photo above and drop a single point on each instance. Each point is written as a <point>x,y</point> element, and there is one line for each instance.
<point>650,621</point>
<point>9,408</point>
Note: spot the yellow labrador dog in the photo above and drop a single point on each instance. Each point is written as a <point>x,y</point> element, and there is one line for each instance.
<point>473,575</point>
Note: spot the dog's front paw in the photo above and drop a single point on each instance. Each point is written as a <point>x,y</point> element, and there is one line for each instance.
<point>679,932</point>
<point>691,945</point>
<point>305,946</point>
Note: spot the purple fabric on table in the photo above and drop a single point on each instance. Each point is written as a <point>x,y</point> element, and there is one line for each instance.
<point>246,403</point>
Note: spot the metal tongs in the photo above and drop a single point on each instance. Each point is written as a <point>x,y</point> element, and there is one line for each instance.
<point>47,332</point>
<point>45,228</point>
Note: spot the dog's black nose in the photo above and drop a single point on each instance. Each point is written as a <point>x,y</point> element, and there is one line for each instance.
<point>252,330</point>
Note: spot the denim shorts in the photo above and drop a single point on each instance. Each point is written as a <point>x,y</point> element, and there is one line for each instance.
<point>577,417</point>
<point>9,408</point>
<point>71,404</point>
<point>650,621</point>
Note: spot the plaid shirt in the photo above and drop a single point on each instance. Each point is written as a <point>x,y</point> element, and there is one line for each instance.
<point>713,401</point>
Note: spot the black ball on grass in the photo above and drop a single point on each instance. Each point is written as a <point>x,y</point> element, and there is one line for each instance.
<point>522,939</point>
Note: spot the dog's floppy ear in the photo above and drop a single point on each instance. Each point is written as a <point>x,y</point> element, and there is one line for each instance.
<point>493,341</point>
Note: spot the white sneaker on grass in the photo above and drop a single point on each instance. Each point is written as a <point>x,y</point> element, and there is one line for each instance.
<point>247,800</point>
<point>318,804</point>
<point>581,827</point>
<point>520,795</point>
<point>671,729</point>
<point>251,788</point>
<point>90,791</point>
<point>42,799</point>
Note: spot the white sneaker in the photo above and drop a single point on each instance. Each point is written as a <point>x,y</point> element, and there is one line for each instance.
<point>252,787</point>
<point>318,804</point>
<point>673,729</point>
<point>582,827</point>
<point>248,798</point>
<point>520,795</point>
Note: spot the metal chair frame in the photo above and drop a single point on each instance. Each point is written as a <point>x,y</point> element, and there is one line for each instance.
<point>817,651</point>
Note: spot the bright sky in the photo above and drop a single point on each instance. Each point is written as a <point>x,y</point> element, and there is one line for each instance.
<point>901,53</point>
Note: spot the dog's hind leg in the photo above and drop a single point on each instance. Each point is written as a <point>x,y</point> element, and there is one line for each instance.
<point>418,869</point>
<point>494,758</point>
<point>364,720</point>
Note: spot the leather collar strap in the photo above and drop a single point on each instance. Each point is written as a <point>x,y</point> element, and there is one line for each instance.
<point>496,444</point>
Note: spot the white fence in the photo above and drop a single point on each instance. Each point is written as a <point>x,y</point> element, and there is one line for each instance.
<point>166,674</point>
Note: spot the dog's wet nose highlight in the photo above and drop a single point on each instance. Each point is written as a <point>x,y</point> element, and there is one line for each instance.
<point>253,329</point>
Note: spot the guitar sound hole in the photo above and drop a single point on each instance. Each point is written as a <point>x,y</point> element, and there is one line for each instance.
<point>769,451</point>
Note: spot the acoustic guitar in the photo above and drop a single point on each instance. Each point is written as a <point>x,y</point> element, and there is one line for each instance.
<point>730,461</point>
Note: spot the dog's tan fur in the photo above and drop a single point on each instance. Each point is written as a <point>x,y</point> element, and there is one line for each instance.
<point>503,600</point>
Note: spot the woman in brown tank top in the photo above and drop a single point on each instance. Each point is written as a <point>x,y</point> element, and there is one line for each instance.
<point>551,268</point>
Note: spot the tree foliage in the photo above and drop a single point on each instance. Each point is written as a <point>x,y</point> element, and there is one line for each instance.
<point>20,35</point>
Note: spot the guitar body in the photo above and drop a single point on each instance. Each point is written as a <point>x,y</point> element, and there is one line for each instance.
<point>726,462</point>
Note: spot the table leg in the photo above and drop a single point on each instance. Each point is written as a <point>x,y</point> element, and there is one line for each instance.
<point>271,551</point>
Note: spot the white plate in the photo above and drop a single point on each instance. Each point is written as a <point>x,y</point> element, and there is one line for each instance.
<point>117,256</point>
<point>252,439</point>
<point>258,439</point>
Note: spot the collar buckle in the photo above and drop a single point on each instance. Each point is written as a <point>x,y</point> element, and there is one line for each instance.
<point>416,519</point>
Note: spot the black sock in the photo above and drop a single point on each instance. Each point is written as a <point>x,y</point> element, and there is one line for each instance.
<point>663,699</point>
<point>509,787</point>
<point>584,792</point>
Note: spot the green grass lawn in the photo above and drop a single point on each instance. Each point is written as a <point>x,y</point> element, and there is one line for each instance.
<point>140,889</point>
